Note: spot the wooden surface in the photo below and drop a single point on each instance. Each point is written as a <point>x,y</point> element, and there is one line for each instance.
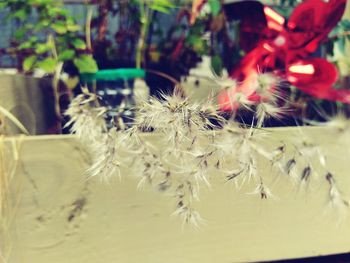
<point>62,217</point>
<point>31,101</point>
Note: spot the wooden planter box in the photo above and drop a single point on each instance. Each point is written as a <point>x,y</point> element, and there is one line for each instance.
<point>59,216</point>
<point>31,101</point>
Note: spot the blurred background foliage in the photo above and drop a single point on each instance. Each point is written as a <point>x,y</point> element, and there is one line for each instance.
<point>44,33</point>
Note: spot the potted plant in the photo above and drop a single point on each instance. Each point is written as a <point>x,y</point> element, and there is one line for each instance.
<point>158,36</point>
<point>47,38</point>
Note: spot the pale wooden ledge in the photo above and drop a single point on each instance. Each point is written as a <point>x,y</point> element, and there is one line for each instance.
<point>62,217</point>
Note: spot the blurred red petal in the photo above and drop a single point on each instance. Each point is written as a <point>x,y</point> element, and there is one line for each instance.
<point>252,61</point>
<point>312,71</point>
<point>311,21</point>
<point>342,95</point>
<point>314,76</point>
<point>274,20</point>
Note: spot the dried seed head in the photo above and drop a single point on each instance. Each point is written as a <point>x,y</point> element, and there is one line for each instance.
<point>306,173</point>
<point>224,81</point>
<point>266,87</point>
<point>86,120</point>
<point>290,165</point>
<point>188,215</point>
<point>106,162</point>
<point>266,111</point>
<point>182,167</point>
<point>263,191</point>
<point>339,122</point>
<point>336,199</point>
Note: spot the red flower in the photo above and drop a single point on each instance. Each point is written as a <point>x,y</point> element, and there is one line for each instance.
<point>285,49</point>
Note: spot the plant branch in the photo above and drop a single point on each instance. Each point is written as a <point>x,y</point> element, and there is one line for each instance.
<point>14,120</point>
<point>144,12</point>
<point>56,76</point>
<point>88,28</point>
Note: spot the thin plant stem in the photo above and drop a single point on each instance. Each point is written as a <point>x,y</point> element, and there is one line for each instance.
<point>164,75</point>
<point>176,83</point>
<point>8,206</point>
<point>144,19</point>
<point>3,197</point>
<point>51,40</point>
<point>88,28</point>
<point>55,81</point>
<point>13,118</point>
<point>3,180</point>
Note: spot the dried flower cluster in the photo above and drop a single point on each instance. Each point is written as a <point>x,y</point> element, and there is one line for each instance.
<point>8,188</point>
<point>182,166</point>
<point>3,181</point>
<point>197,144</point>
<point>87,121</point>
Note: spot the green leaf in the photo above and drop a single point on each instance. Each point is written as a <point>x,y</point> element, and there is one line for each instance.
<point>40,2</point>
<point>20,33</point>
<point>73,28</point>
<point>341,45</point>
<point>41,48</point>
<point>66,55</point>
<point>216,64</point>
<point>345,24</point>
<point>78,43</point>
<point>57,11</point>
<point>164,3</point>
<point>59,28</point>
<point>26,45</point>
<point>33,39</point>
<point>215,7</point>
<point>196,42</point>
<point>21,14</point>
<point>160,9</point>
<point>162,6</point>
<point>42,24</point>
<point>86,64</point>
<point>29,62</point>
<point>48,64</point>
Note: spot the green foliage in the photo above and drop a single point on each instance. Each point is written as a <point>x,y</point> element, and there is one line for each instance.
<point>59,28</point>
<point>216,64</point>
<point>286,7</point>
<point>86,64</point>
<point>290,2</point>
<point>29,62</point>
<point>195,39</point>
<point>42,48</point>
<point>47,64</point>
<point>48,18</point>
<point>338,37</point>
<point>215,7</point>
<point>65,55</point>
<point>163,6</point>
<point>197,43</point>
<point>78,44</point>
<point>341,29</point>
